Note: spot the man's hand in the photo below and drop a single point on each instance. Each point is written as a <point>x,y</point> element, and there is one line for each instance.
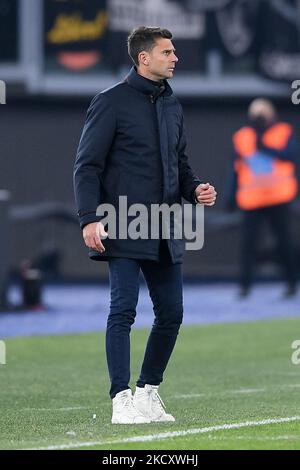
<point>205,194</point>
<point>92,234</point>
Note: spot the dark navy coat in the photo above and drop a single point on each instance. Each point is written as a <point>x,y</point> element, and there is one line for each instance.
<point>133,143</point>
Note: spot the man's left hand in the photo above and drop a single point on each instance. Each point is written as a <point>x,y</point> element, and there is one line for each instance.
<point>206,194</point>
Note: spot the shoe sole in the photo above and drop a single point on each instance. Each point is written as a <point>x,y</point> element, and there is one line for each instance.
<point>163,420</point>
<point>117,421</point>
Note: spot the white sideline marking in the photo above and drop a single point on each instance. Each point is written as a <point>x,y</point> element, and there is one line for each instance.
<point>70,408</point>
<point>247,390</point>
<point>236,392</point>
<point>228,392</point>
<point>287,374</point>
<point>191,395</point>
<point>284,437</point>
<point>166,435</point>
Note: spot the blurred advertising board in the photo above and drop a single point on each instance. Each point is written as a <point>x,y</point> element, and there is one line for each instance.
<point>75,34</point>
<point>9,33</point>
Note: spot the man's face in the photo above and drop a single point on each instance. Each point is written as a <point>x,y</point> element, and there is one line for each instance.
<point>162,59</point>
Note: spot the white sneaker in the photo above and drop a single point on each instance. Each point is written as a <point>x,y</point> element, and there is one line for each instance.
<point>148,402</point>
<point>124,411</point>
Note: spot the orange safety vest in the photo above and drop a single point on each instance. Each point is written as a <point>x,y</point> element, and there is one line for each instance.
<point>263,180</point>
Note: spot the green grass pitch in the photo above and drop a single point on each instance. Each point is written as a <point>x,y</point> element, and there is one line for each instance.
<point>225,374</point>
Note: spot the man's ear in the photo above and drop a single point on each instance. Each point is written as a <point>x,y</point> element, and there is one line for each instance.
<point>143,58</point>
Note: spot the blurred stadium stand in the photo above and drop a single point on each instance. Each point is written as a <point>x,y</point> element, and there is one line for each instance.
<point>58,54</point>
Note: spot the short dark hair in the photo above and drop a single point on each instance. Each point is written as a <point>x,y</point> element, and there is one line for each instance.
<point>143,39</point>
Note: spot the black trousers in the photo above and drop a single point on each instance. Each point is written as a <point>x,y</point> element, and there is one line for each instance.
<point>164,281</point>
<point>278,217</point>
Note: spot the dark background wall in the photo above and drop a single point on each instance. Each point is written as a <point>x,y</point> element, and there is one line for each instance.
<point>38,144</point>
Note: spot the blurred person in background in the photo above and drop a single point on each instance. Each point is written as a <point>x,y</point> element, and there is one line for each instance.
<point>263,186</point>
<point>133,144</point>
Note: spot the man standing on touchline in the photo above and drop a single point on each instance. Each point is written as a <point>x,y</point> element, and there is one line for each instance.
<point>133,144</point>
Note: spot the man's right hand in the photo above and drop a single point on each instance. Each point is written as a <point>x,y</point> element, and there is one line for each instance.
<point>92,235</point>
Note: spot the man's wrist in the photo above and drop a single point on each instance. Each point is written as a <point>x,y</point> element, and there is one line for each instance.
<point>88,219</point>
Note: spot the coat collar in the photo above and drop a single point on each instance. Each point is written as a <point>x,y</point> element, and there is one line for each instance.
<point>146,86</point>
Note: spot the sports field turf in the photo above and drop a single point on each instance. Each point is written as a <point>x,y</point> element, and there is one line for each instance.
<point>227,374</point>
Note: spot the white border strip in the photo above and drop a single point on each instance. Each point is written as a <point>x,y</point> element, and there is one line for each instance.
<point>166,435</point>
